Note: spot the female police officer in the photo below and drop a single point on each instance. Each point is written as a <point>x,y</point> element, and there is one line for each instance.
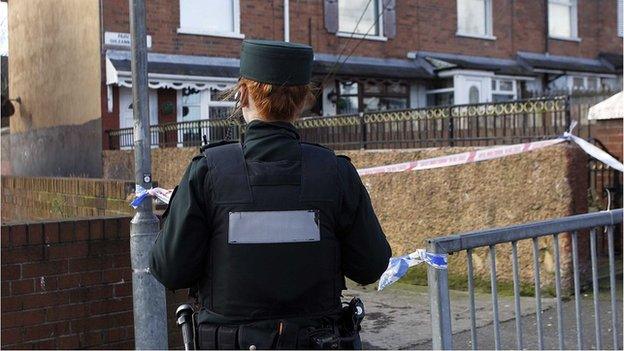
<point>267,230</point>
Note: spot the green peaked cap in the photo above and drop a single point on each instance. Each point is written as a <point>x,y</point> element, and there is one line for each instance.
<point>276,62</point>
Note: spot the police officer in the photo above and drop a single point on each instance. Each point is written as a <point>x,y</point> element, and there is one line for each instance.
<point>267,230</point>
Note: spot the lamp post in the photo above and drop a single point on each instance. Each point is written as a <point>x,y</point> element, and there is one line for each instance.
<point>150,310</point>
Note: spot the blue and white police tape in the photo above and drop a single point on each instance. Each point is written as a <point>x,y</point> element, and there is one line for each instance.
<point>398,266</point>
<point>161,194</point>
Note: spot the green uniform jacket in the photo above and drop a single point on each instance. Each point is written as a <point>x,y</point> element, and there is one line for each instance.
<point>182,246</point>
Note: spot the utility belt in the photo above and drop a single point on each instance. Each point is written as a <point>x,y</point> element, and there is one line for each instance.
<point>328,333</point>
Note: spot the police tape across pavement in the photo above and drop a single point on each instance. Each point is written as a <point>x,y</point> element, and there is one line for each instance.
<point>398,266</point>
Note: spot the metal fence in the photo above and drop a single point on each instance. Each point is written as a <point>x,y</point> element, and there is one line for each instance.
<point>457,125</point>
<point>575,225</point>
<point>605,183</point>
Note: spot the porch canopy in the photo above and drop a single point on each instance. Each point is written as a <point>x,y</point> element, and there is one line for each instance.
<point>359,66</point>
<point>444,61</point>
<point>563,64</point>
<point>204,72</point>
<point>611,108</point>
<point>174,71</point>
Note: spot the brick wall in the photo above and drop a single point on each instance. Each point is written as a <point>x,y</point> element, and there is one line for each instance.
<point>68,285</point>
<point>413,206</point>
<point>421,25</point>
<point>27,198</point>
<point>609,132</point>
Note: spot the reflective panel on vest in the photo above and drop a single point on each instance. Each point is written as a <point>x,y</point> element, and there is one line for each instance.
<point>272,227</point>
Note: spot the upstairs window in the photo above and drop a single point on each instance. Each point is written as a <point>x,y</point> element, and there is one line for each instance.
<point>562,15</point>
<point>367,12</point>
<point>474,18</point>
<point>214,17</point>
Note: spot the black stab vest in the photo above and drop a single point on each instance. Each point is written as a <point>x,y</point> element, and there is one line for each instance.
<point>272,280</point>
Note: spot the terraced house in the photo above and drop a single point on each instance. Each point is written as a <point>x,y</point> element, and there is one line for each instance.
<point>370,55</point>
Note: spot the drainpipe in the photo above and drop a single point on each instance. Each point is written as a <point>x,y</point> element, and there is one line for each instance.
<point>546,48</point>
<point>546,26</point>
<point>286,20</point>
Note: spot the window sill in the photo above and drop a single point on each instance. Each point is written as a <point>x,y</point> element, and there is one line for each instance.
<point>194,31</point>
<point>476,36</point>
<point>576,39</point>
<point>361,36</point>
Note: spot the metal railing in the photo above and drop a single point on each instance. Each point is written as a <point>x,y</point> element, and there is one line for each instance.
<point>457,125</point>
<point>442,336</point>
<point>605,183</point>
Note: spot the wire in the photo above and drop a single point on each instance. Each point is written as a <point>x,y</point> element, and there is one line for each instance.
<point>357,24</point>
<point>361,39</point>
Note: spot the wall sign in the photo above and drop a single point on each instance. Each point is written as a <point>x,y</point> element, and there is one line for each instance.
<point>121,39</point>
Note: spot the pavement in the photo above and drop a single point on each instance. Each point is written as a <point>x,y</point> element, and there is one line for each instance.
<point>398,318</point>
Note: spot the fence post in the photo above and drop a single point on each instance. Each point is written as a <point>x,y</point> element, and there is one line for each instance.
<point>451,127</point>
<point>568,119</point>
<point>440,304</point>
<point>362,131</point>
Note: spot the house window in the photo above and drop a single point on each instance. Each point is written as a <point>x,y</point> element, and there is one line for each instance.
<point>196,105</point>
<point>590,83</point>
<point>562,15</point>
<point>371,95</point>
<point>347,99</point>
<point>474,18</point>
<point>360,17</point>
<point>503,90</point>
<point>442,93</point>
<point>214,17</point>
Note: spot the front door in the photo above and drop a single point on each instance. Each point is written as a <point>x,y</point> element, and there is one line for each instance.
<point>126,116</point>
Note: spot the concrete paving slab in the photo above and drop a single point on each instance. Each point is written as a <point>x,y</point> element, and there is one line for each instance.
<point>398,317</point>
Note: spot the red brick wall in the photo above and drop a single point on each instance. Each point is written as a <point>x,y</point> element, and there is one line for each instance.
<point>421,25</point>
<point>37,198</point>
<point>609,132</point>
<point>68,285</point>
<point>110,120</point>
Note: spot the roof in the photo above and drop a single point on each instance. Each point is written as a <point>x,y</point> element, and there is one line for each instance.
<point>369,67</point>
<point>184,65</point>
<point>445,61</point>
<point>614,60</point>
<point>563,63</point>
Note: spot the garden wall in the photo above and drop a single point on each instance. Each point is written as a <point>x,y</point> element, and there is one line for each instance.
<point>413,206</point>
<point>68,285</point>
<point>29,198</point>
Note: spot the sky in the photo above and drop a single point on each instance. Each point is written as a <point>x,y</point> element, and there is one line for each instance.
<point>4,30</point>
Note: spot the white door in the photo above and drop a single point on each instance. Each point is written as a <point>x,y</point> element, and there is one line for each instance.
<point>192,107</point>
<point>126,116</point>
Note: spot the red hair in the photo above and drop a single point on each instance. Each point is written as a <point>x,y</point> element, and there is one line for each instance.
<point>277,102</point>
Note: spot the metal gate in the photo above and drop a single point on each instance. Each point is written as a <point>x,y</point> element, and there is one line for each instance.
<point>578,227</point>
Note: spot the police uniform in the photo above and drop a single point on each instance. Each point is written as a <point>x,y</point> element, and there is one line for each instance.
<point>267,230</point>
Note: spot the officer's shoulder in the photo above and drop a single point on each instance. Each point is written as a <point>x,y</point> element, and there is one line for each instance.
<point>318,146</point>
<point>213,146</point>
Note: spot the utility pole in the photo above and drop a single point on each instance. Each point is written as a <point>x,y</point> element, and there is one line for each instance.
<point>150,311</point>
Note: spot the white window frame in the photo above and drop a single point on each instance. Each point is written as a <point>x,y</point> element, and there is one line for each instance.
<point>380,37</point>
<point>200,31</point>
<point>205,102</point>
<point>496,91</point>
<point>585,76</point>
<point>573,18</point>
<point>489,24</point>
